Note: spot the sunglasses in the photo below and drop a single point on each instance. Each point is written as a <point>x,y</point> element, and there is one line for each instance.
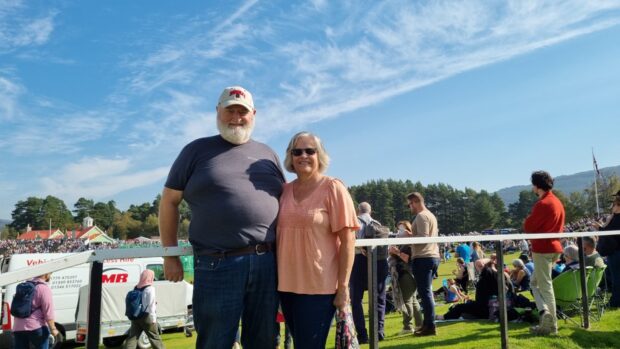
<point>299,151</point>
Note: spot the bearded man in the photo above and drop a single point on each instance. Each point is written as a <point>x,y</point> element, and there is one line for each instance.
<point>232,185</point>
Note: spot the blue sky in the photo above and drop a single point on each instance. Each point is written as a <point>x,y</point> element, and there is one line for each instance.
<point>98,98</point>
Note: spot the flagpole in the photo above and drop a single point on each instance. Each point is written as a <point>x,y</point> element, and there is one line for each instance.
<point>598,210</point>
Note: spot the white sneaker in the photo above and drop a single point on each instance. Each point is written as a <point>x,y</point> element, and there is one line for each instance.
<point>547,325</point>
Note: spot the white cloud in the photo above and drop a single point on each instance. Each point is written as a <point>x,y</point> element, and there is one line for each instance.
<point>240,13</point>
<point>9,95</point>
<point>99,178</point>
<point>57,131</point>
<point>36,32</point>
<point>366,54</point>
<point>401,46</point>
<point>19,29</point>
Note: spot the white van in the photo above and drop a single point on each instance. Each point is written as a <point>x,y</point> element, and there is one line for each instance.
<point>173,301</point>
<point>66,284</point>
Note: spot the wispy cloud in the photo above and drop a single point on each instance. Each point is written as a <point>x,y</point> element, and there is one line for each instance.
<point>19,30</point>
<point>57,131</point>
<point>400,46</point>
<point>367,52</point>
<point>99,178</point>
<point>304,62</point>
<point>9,95</point>
<point>229,20</point>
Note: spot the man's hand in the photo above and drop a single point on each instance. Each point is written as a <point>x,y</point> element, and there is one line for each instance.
<point>342,298</point>
<point>55,332</point>
<point>173,269</point>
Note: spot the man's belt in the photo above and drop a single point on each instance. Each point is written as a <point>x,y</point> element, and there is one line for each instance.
<point>252,249</point>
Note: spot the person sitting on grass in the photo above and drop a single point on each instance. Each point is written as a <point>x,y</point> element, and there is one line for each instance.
<point>486,287</point>
<point>520,276</point>
<point>461,275</point>
<point>451,291</point>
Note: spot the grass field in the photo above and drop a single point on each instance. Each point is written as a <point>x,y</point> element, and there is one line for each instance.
<point>477,334</point>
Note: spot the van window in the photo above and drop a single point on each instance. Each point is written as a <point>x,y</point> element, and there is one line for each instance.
<point>158,270</point>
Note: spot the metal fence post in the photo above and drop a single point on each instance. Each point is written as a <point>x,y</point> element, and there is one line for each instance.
<point>501,294</point>
<point>584,287</point>
<point>94,306</point>
<point>373,337</point>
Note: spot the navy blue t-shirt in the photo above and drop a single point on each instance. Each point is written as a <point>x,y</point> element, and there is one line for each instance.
<point>232,190</point>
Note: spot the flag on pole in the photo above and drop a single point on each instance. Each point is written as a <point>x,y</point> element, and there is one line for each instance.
<point>598,173</point>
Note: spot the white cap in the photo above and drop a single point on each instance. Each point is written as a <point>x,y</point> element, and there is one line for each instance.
<point>236,95</point>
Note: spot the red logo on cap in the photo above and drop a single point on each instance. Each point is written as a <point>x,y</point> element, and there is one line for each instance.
<point>237,93</point>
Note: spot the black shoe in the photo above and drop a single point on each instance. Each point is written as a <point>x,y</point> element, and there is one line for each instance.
<point>425,331</point>
<point>381,336</point>
<point>362,340</point>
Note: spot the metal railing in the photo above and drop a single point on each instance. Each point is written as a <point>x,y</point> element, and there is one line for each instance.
<point>97,257</point>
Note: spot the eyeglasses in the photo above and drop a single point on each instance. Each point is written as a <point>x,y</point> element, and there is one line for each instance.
<point>298,151</point>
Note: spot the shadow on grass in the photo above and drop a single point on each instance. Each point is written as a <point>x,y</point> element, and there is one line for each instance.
<point>582,338</point>
<point>596,339</point>
<point>432,341</point>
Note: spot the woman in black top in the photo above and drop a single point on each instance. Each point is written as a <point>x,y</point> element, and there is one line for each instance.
<point>610,246</point>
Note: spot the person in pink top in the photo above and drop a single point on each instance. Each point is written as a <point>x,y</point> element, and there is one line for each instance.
<point>35,330</point>
<point>315,243</point>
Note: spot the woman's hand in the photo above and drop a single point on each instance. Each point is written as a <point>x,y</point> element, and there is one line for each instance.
<point>342,298</point>
<point>394,250</point>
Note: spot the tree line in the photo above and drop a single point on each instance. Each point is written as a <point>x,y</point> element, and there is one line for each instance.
<point>463,211</point>
<point>457,211</point>
<point>137,220</point>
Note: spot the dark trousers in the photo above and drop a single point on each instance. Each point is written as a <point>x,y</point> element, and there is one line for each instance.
<point>227,289</point>
<point>357,285</point>
<point>613,263</point>
<point>308,317</point>
<point>423,273</point>
<point>39,338</point>
<point>474,309</point>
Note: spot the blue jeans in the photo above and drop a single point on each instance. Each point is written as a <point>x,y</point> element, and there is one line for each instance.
<point>613,263</point>
<point>423,273</point>
<point>39,338</point>
<point>308,317</point>
<point>227,289</point>
<point>357,285</point>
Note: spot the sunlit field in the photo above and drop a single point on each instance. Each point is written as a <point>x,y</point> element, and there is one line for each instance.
<point>476,334</point>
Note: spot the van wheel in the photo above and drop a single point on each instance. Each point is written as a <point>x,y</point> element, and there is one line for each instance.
<point>143,341</point>
<point>113,342</point>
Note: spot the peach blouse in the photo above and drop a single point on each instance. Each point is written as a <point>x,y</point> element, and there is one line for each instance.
<point>307,239</point>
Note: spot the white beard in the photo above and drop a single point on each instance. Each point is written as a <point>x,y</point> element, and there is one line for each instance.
<point>235,135</point>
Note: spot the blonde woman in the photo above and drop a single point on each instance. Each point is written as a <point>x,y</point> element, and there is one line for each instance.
<point>315,243</point>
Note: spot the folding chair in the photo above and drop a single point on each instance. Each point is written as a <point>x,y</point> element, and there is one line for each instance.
<point>596,297</point>
<point>567,290</point>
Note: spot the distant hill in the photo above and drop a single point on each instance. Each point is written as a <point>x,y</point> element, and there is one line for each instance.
<point>4,222</point>
<point>566,184</point>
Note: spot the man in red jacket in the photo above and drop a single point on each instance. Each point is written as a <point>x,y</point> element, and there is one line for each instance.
<point>547,216</point>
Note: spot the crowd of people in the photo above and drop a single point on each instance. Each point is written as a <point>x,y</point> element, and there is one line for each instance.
<point>244,215</point>
<point>10,247</point>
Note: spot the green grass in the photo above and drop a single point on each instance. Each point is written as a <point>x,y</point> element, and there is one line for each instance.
<point>476,334</point>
